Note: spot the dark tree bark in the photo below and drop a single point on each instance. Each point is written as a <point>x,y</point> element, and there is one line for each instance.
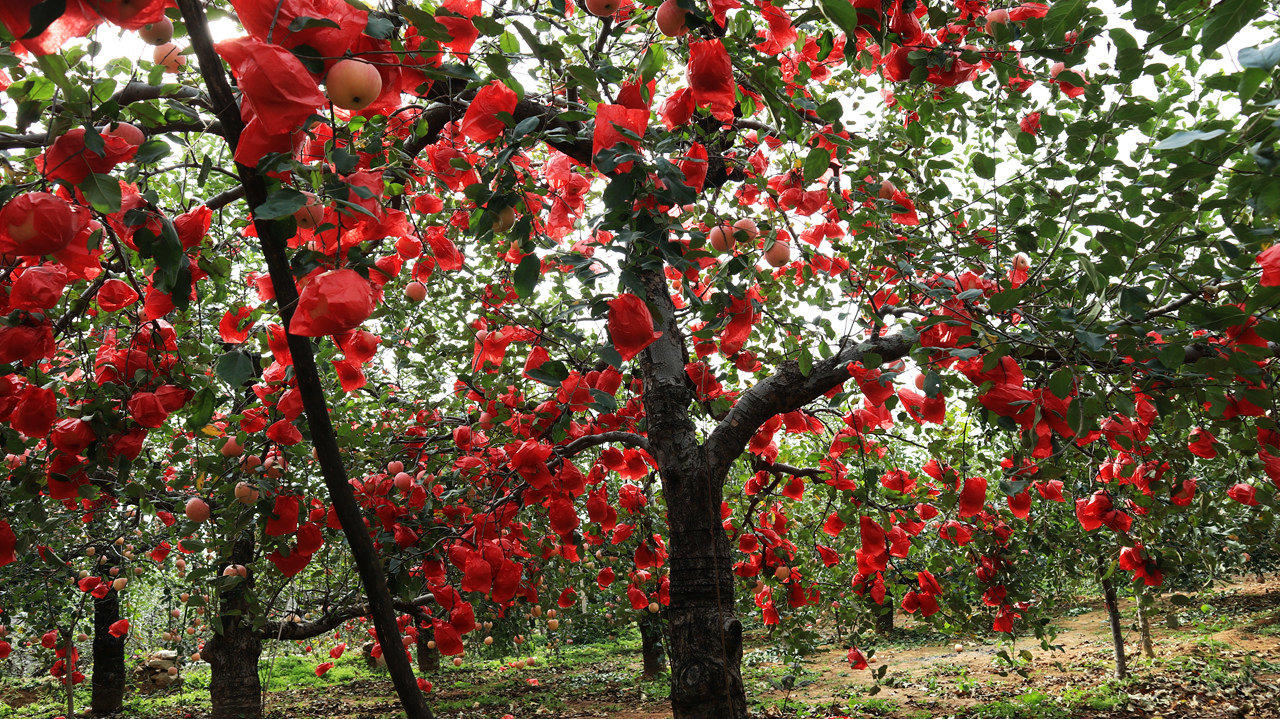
<point>428,658</point>
<point>651,649</point>
<point>705,633</point>
<point>1113,618</point>
<point>884,620</point>
<point>108,657</point>
<point>324,440</point>
<point>704,630</point>
<point>1144,628</point>
<point>235,691</point>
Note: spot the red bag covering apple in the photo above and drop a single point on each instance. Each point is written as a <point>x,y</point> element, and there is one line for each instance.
<point>279,95</point>
<point>333,302</point>
<point>76,21</point>
<point>38,288</point>
<point>115,295</point>
<point>608,119</point>
<point>38,223</point>
<point>711,78</point>
<point>70,159</point>
<point>481,123</point>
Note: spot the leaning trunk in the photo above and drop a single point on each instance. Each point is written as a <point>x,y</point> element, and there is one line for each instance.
<point>1144,627</point>
<point>704,631</point>
<point>108,657</point>
<point>235,691</point>
<point>655,658</point>
<point>1113,617</point>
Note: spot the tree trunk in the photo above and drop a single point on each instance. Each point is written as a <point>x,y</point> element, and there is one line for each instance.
<point>884,620</point>
<point>1144,627</point>
<point>235,691</point>
<point>108,657</point>
<point>655,658</point>
<point>1113,617</point>
<point>705,633</point>
<point>272,239</point>
<point>428,658</point>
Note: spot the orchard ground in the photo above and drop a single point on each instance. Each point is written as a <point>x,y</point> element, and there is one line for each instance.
<point>1217,656</point>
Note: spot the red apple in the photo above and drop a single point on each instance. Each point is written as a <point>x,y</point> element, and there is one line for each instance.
<point>602,8</point>
<point>395,467</point>
<point>403,480</point>
<point>157,33</point>
<point>747,226</point>
<point>415,291</point>
<point>672,19</point>
<point>131,134</point>
<point>721,237</point>
<point>197,510</point>
<point>506,219</point>
<point>311,214</point>
<point>887,188</point>
<point>779,254</point>
<point>245,493</point>
<point>170,57</point>
<point>232,448</point>
<point>996,17</point>
<point>353,84</point>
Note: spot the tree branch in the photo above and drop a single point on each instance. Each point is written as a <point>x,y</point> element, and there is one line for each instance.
<point>592,440</point>
<point>788,389</point>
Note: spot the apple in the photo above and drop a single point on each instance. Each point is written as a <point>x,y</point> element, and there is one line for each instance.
<point>553,624</point>
<point>128,132</point>
<point>157,33</point>
<point>245,493</point>
<point>782,573</point>
<point>722,239</point>
<point>488,641</point>
<point>996,17</point>
<point>959,648</point>
<point>119,583</point>
<point>415,291</point>
<point>531,661</point>
<point>653,607</point>
<point>353,84</point>
<point>457,661</point>
<point>506,220</point>
<point>403,481</point>
<point>395,467</point>
<point>82,637</point>
<point>672,19</point>
<point>195,656</point>
<point>311,214</point>
<point>748,227</point>
<point>170,56</point>
<point>196,509</point>
<point>602,8</point>
<point>887,188</point>
<point>778,254</point>
<point>232,448</point>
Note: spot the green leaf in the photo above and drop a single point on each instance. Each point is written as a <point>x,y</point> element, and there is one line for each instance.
<point>201,407</point>
<point>1063,15</point>
<point>816,163</point>
<point>303,22</point>
<point>550,373</point>
<point>1264,59</point>
<point>151,152</point>
<point>235,368</point>
<point>280,204</point>
<point>1226,19</point>
<point>527,274</point>
<point>1186,137</point>
<point>103,192</point>
<point>842,13</point>
<point>43,15</point>
<point>984,166</point>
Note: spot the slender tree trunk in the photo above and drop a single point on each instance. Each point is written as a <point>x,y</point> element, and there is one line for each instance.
<point>884,620</point>
<point>428,658</point>
<point>1144,627</point>
<point>1113,618</point>
<point>235,690</point>
<point>108,657</point>
<point>705,633</point>
<point>324,440</point>
<point>655,657</point>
